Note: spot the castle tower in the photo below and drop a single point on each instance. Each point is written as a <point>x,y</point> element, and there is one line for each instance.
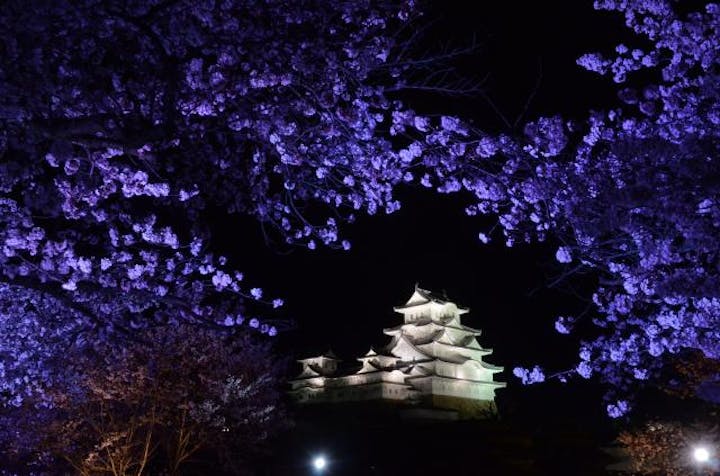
<point>433,338</point>
<point>432,359</point>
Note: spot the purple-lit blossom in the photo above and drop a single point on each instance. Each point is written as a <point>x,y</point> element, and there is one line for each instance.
<point>584,369</point>
<point>563,254</point>
<point>529,376</point>
<point>618,409</point>
<point>125,136</point>
<point>563,325</point>
<point>631,193</point>
<point>132,119</point>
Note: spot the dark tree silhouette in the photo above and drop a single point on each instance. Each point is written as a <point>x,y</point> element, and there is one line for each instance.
<point>179,395</point>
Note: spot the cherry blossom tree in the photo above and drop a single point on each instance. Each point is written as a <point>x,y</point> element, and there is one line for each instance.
<point>665,447</point>
<point>632,193</point>
<point>692,375</point>
<point>125,124</point>
<point>177,394</point>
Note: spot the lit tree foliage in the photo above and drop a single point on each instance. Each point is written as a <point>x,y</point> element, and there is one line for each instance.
<point>665,447</point>
<point>693,375</point>
<point>178,394</point>
<point>123,124</point>
<point>632,193</point>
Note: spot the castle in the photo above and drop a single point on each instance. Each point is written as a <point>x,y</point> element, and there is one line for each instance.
<point>432,360</point>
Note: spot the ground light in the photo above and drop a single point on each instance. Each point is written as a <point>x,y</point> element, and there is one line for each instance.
<point>319,463</point>
<point>701,454</point>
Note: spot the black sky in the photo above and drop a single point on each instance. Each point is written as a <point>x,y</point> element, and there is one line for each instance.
<point>345,299</point>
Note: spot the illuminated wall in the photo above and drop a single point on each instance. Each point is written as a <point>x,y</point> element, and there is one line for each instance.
<point>431,355</point>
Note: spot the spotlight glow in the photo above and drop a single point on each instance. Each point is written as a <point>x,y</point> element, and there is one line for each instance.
<point>701,455</point>
<point>319,463</point>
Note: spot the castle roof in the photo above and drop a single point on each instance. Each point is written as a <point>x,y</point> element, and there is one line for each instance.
<point>328,355</point>
<point>421,297</point>
<point>372,355</point>
<point>395,329</point>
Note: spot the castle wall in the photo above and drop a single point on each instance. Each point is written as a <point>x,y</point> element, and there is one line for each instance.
<point>470,370</point>
<point>335,393</point>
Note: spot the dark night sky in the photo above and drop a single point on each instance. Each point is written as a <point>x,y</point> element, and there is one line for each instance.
<point>345,299</point>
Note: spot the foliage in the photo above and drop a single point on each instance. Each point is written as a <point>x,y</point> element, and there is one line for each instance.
<point>664,447</point>
<point>693,375</point>
<point>124,125</point>
<point>179,395</point>
<point>632,193</point>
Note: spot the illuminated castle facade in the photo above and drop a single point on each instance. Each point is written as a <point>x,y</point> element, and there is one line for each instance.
<point>432,359</point>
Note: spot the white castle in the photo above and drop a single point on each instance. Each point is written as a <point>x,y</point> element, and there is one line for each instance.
<point>432,359</point>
